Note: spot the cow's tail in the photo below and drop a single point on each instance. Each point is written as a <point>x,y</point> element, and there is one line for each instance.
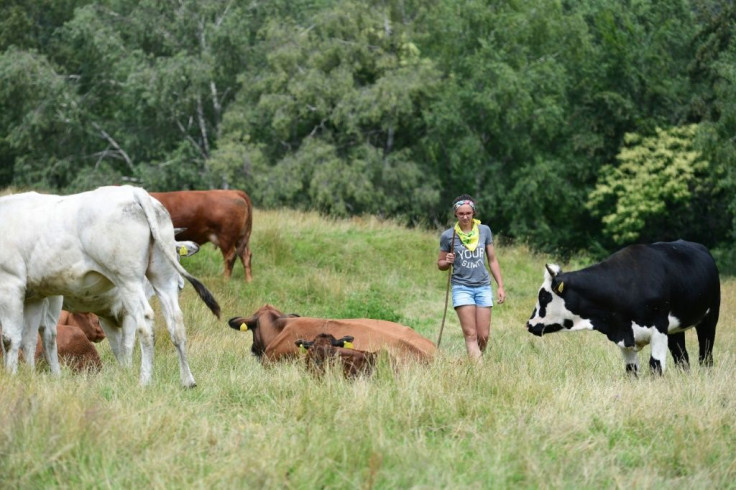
<point>146,203</point>
<point>244,238</point>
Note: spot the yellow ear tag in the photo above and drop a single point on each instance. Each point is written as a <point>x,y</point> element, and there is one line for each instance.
<point>302,348</point>
<point>560,287</point>
<point>243,327</point>
<point>347,345</point>
<point>183,251</point>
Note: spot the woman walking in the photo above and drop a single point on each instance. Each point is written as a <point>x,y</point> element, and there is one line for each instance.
<point>466,247</point>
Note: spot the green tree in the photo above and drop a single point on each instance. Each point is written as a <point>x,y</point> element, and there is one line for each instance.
<point>713,78</point>
<point>540,95</point>
<point>155,84</point>
<point>39,123</point>
<point>32,25</point>
<point>501,127</point>
<point>150,82</point>
<point>331,121</point>
<point>660,189</point>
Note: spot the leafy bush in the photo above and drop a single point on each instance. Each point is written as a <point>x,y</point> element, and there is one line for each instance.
<point>652,194</point>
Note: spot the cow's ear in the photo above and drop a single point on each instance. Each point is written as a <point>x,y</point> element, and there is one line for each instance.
<point>186,249</point>
<point>238,323</point>
<point>346,342</point>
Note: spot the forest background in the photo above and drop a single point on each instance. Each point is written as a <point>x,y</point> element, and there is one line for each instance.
<point>579,126</point>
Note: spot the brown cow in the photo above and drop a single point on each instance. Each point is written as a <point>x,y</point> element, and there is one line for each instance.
<point>74,349</point>
<point>221,217</point>
<point>88,322</point>
<point>325,348</point>
<point>275,335</point>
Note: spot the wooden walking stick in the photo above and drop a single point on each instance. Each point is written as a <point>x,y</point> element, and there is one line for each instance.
<point>447,291</point>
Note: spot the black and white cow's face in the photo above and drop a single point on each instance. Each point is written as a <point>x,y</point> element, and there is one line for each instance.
<point>551,314</point>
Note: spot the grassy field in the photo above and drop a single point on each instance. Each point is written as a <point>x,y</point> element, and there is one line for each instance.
<point>555,412</point>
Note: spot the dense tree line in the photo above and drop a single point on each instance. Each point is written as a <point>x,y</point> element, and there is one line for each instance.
<point>579,125</point>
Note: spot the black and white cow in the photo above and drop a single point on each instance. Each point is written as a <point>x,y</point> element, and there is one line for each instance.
<point>104,251</point>
<point>639,295</point>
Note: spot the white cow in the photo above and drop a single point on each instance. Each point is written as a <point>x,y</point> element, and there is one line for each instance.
<point>103,251</point>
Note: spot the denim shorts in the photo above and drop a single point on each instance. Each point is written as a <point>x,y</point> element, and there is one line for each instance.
<point>467,295</point>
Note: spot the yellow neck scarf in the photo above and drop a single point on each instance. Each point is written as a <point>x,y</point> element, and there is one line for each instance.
<point>471,238</point>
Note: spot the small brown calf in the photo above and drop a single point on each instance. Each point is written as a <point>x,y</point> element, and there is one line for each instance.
<point>74,349</point>
<point>325,348</point>
<point>88,322</point>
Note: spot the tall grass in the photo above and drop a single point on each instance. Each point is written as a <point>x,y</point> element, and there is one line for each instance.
<point>538,413</point>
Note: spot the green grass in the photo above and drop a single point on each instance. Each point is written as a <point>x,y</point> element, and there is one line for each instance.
<point>555,412</point>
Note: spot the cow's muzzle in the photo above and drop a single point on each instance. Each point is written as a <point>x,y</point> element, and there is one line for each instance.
<point>535,329</point>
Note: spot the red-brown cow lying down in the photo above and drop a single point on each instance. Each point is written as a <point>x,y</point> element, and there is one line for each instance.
<point>325,348</point>
<point>275,335</point>
<point>221,217</point>
<point>74,349</point>
<point>88,322</point>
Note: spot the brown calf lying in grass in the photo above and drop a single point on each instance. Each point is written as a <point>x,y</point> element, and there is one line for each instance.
<point>88,322</point>
<point>74,349</point>
<point>325,349</point>
<point>75,333</point>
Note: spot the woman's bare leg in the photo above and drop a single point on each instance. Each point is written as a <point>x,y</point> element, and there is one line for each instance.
<point>483,326</point>
<point>468,319</point>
